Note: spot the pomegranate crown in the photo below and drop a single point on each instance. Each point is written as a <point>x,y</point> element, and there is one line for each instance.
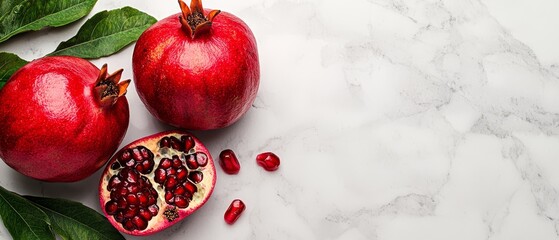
<point>193,21</point>
<point>108,88</point>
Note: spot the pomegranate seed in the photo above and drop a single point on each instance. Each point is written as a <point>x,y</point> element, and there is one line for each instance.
<point>133,188</point>
<point>145,214</point>
<point>114,182</point>
<point>129,225</point>
<point>165,163</point>
<point>190,187</point>
<point>142,199</point>
<point>171,182</point>
<point>160,175</point>
<point>132,199</point>
<point>229,162</point>
<point>181,201</point>
<point>176,143</point>
<point>176,162</point>
<point>201,159</point>
<point>171,171</point>
<point>130,212</point>
<point>136,154</point>
<point>147,165</point>
<point>234,211</point>
<point>169,197</point>
<point>119,217</point>
<point>182,173</point>
<point>188,142</point>
<point>268,161</point>
<point>125,156</point>
<point>191,161</point>
<point>151,199</point>
<point>140,223</point>
<point>164,142</point>
<point>121,203</point>
<point>196,176</point>
<point>111,207</point>
<point>153,209</point>
<point>146,153</point>
<point>180,190</point>
<point>130,163</point>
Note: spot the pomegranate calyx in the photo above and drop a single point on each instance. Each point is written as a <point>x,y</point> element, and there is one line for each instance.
<point>192,19</point>
<point>109,88</point>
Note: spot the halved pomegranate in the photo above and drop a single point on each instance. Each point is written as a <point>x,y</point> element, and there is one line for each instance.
<point>154,182</point>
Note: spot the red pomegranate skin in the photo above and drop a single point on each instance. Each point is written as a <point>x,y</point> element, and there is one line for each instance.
<point>52,127</point>
<point>204,82</point>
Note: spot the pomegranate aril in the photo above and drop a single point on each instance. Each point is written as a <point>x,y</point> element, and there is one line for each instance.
<point>160,175</point>
<point>196,176</point>
<point>164,142</point>
<point>129,225</point>
<point>133,188</point>
<point>180,190</point>
<point>176,143</point>
<point>119,217</point>
<point>201,159</point>
<point>130,212</point>
<point>125,156</point>
<point>165,163</point>
<point>169,197</point>
<point>111,207</point>
<point>153,209</point>
<point>114,182</point>
<point>136,154</point>
<point>234,211</point>
<point>181,174</point>
<point>191,161</point>
<point>151,200</point>
<point>145,214</point>
<point>122,203</point>
<point>176,162</point>
<point>130,163</point>
<point>181,201</point>
<point>188,142</point>
<point>229,162</point>
<point>147,165</point>
<point>132,199</point>
<point>190,187</point>
<point>171,182</point>
<point>140,223</point>
<point>142,199</point>
<point>268,161</point>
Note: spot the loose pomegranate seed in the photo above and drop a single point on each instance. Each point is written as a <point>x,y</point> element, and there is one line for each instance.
<point>229,162</point>
<point>234,211</point>
<point>268,161</point>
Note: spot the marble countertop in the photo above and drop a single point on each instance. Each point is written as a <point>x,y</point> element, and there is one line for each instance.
<point>431,119</point>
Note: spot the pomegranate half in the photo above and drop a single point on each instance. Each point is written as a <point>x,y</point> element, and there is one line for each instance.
<point>154,182</point>
<point>61,118</point>
<point>197,69</point>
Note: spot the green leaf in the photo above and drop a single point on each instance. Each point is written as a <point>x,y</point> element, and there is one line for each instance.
<point>74,221</point>
<point>22,218</point>
<point>17,16</point>
<point>9,63</point>
<point>106,33</point>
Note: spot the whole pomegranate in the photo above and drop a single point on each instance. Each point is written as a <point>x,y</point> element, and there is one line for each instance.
<point>197,69</point>
<point>61,118</point>
<point>154,182</point>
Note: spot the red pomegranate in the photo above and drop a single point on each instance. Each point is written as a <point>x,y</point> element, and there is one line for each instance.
<point>197,69</point>
<point>61,118</point>
<point>154,182</point>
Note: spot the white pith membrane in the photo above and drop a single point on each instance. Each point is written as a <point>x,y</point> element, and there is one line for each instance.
<point>166,216</point>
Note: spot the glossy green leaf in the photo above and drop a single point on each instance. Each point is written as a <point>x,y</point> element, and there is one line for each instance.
<point>17,16</point>
<point>106,33</point>
<point>74,221</point>
<point>23,219</point>
<point>9,63</point>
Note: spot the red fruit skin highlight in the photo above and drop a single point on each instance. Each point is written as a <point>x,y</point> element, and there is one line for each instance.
<point>52,127</point>
<point>203,82</point>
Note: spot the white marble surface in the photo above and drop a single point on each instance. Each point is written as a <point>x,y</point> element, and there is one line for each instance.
<point>395,119</point>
